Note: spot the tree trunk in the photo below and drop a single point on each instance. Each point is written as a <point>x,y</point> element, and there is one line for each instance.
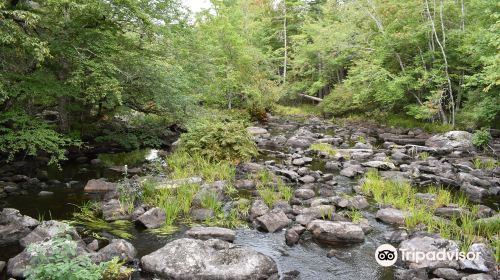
<point>285,41</point>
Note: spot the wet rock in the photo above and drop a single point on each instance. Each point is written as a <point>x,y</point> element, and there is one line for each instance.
<point>411,274</point>
<point>449,212</point>
<point>251,167</point>
<point>291,237</point>
<point>245,184</point>
<point>14,226</point>
<point>485,261</point>
<point>298,162</point>
<point>273,221</point>
<point>138,211</point>
<point>361,154</point>
<point>447,273</point>
<point>95,161</point>
<point>167,184</point>
<point>336,232</point>
<point>212,259</point>
<point>333,253</point>
<point>304,193</point>
<point>307,179</point>
<point>112,210</point>
<point>381,165</point>
<point>396,236</point>
<point>201,214</point>
<point>333,166</point>
<point>391,216</point>
<point>474,193</point>
<point>42,175</point>
<point>100,185</point>
<point>2,266</point>
<point>205,233</point>
<point>292,175</point>
<point>351,171</point>
<point>300,142</point>
<point>93,245</point>
<point>456,140</point>
<point>45,193</point>
<point>256,131</point>
<point>259,208</point>
<point>480,276</point>
<point>17,266</point>
<point>306,215</point>
<point>48,230</point>
<point>19,178</point>
<point>118,248</point>
<point>153,218</point>
<point>426,245</point>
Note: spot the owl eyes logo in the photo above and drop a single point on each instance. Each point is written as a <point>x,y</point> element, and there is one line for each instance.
<point>386,255</point>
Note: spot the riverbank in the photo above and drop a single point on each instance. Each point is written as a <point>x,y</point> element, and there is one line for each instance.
<point>306,189</point>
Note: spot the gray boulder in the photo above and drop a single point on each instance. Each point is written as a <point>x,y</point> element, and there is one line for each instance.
<point>112,210</point>
<point>456,140</point>
<point>391,216</point>
<point>205,233</point>
<point>153,218</point>
<point>48,230</point>
<point>118,248</point>
<point>14,226</point>
<point>381,165</point>
<point>485,261</point>
<point>336,232</point>
<point>273,221</point>
<point>208,260</point>
<point>304,193</point>
<point>427,244</point>
<point>100,185</point>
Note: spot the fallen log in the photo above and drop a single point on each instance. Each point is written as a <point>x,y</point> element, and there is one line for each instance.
<point>311,97</point>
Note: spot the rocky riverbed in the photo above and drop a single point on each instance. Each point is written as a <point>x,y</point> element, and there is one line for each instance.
<point>309,237</point>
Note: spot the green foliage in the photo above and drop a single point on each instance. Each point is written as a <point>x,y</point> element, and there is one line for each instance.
<point>57,259</point>
<point>22,133</point>
<point>272,188</point>
<point>183,164</point>
<point>421,213</point>
<point>60,259</point>
<point>481,138</point>
<point>219,141</point>
<point>323,147</point>
<point>88,217</point>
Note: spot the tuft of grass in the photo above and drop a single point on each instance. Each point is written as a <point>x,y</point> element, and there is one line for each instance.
<point>88,217</point>
<point>355,215</point>
<point>304,110</point>
<point>477,163</point>
<point>401,196</point>
<point>423,155</point>
<point>323,147</point>
<point>182,165</point>
<point>272,188</point>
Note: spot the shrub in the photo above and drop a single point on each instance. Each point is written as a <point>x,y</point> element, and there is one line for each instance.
<point>58,259</point>
<point>218,141</point>
<point>481,138</point>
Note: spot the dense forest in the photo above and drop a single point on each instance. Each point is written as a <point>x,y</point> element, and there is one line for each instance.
<point>254,139</point>
<point>69,69</point>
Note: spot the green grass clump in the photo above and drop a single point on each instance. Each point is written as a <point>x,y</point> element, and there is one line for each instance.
<point>182,164</point>
<point>355,215</point>
<point>272,188</point>
<point>420,213</point>
<point>423,155</point>
<point>488,164</point>
<point>219,140</point>
<point>88,217</point>
<point>304,110</point>
<point>323,147</point>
